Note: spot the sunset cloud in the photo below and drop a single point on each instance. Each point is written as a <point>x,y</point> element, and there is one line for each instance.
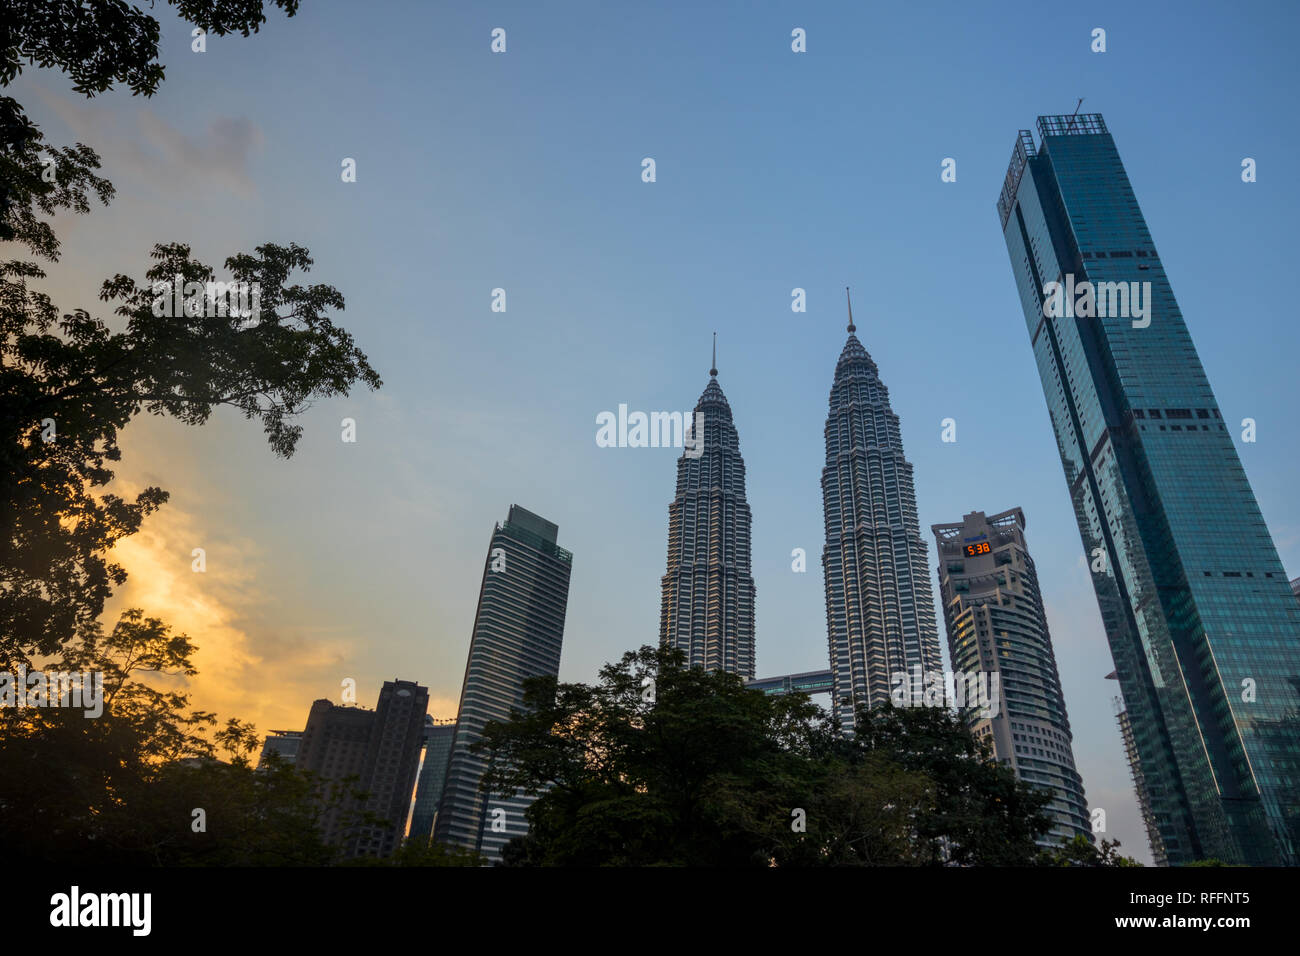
<point>249,666</point>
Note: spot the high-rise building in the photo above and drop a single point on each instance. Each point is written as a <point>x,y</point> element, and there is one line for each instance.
<point>392,759</point>
<point>282,742</point>
<point>334,748</point>
<point>708,591</point>
<point>1203,629</point>
<point>353,751</point>
<point>433,776</point>
<point>879,605</point>
<point>1295,588</point>
<point>518,630</point>
<point>997,626</point>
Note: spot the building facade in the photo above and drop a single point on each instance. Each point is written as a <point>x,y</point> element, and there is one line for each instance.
<point>996,625</point>
<point>365,760</point>
<point>438,735</point>
<point>518,631</point>
<point>392,759</point>
<point>283,743</point>
<point>333,748</point>
<point>1202,625</point>
<point>707,606</point>
<point>879,605</point>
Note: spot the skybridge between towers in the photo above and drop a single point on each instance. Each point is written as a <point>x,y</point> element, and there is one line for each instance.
<point>808,682</point>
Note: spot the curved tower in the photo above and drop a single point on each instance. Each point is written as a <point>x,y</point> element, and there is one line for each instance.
<point>708,590</point>
<point>518,633</point>
<point>879,607</point>
<point>997,625</point>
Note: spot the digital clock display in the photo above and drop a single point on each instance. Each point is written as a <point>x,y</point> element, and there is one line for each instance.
<point>974,550</point>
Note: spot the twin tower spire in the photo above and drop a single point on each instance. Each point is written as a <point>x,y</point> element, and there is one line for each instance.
<point>879,609</point>
<point>713,370</point>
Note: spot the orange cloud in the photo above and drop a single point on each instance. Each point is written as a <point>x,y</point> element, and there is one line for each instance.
<point>250,666</point>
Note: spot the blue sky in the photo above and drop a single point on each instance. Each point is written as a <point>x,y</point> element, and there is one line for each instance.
<point>775,170</point>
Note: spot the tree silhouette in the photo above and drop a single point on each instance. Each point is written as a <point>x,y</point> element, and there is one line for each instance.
<point>68,385</point>
<point>660,764</point>
<point>125,787</point>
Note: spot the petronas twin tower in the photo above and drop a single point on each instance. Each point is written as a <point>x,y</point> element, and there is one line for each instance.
<point>708,591</point>
<point>879,609</point>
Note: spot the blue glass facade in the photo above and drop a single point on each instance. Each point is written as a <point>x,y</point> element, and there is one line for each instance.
<point>433,776</point>
<point>1202,625</point>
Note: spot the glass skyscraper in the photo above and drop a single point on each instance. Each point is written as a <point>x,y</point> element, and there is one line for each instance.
<point>707,607</point>
<point>996,625</point>
<point>879,605</point>
<point>518,630</point>
<point>1202,625</point>
<point>438,737</point>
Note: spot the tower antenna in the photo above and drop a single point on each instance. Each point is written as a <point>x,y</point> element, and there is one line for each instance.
<point>1070,125</point>
<point>852,328</point>
<point>714,371</point>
